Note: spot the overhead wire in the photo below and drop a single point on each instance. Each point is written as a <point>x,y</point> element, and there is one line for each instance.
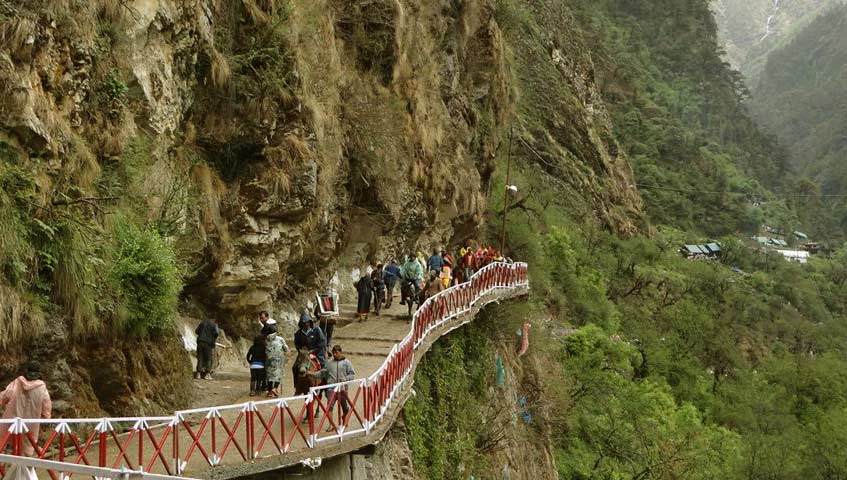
<point>706,192</point>
<point>730,192</point>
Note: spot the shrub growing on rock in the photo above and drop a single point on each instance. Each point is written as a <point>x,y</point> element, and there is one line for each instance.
<point>146,278</point>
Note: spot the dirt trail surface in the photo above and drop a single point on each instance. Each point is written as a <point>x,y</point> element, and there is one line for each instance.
<point>365,344</point>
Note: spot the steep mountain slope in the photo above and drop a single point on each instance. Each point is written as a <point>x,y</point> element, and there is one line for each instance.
<point>678,111</point>
<point>751,29</point>
<point>658,366</point>
<point>800,98</point>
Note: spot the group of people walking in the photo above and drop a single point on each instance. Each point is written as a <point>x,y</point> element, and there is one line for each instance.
<point>428,275</point>
<point>267,356</point>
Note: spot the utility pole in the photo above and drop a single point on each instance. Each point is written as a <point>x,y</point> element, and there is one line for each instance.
<point>506,194</point>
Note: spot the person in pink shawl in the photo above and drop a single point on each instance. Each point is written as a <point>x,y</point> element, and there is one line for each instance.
<point>26,397</point>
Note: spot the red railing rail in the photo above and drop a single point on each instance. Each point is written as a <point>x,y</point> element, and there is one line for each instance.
<point>210,436</point>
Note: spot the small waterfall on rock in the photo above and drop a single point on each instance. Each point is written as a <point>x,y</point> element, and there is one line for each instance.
<point>769,22</point>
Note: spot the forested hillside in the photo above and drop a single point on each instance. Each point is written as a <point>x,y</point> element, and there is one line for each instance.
<point>678,112</point>
<point>800,98</point>
<point>716,374</point>
<point>751,29</point>
<point>657,366</point>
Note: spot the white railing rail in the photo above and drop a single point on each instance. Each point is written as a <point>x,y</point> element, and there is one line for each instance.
<point>25,468</point>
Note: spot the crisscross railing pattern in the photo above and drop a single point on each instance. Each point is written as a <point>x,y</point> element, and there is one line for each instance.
<point>191,440</point>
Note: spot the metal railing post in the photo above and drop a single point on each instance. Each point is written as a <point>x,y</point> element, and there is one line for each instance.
<point>101,446</point>
<point>175,444</point>
<point>310,408</point>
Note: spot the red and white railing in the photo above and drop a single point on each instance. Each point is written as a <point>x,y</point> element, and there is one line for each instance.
<point>191,440</point>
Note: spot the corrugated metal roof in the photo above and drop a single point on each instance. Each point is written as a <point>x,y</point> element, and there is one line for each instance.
<point>694,249</point>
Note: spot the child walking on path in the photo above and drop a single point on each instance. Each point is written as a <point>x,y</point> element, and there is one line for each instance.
<point>257,357</point>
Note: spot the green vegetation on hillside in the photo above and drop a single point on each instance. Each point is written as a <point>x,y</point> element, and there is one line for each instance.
<point>675,369</point>
<point>69,259</point>
<point>800,98</point>
<point>677,110</point>
<point>146,278</point>
<point>683,369</point>
<point>695,371</point>
<point>656,366</point>
<point>443,432</point>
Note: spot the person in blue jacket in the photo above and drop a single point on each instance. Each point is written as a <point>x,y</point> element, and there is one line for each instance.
<point>436,262</point>
<point>391,275</point>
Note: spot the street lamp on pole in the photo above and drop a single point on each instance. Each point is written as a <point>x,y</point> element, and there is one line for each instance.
<point>509,189</point>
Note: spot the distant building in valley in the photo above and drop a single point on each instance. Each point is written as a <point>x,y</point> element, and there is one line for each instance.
<point>796,256</point>
<point>704,251</point>
<point>771,242</point>
<point>812,247</point>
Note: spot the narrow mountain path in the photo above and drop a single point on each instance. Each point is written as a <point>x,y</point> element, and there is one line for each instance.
<point>366,344</point>
<point>231,435</point>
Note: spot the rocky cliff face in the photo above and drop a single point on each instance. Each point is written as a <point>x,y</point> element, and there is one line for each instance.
<point>271,143</point>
